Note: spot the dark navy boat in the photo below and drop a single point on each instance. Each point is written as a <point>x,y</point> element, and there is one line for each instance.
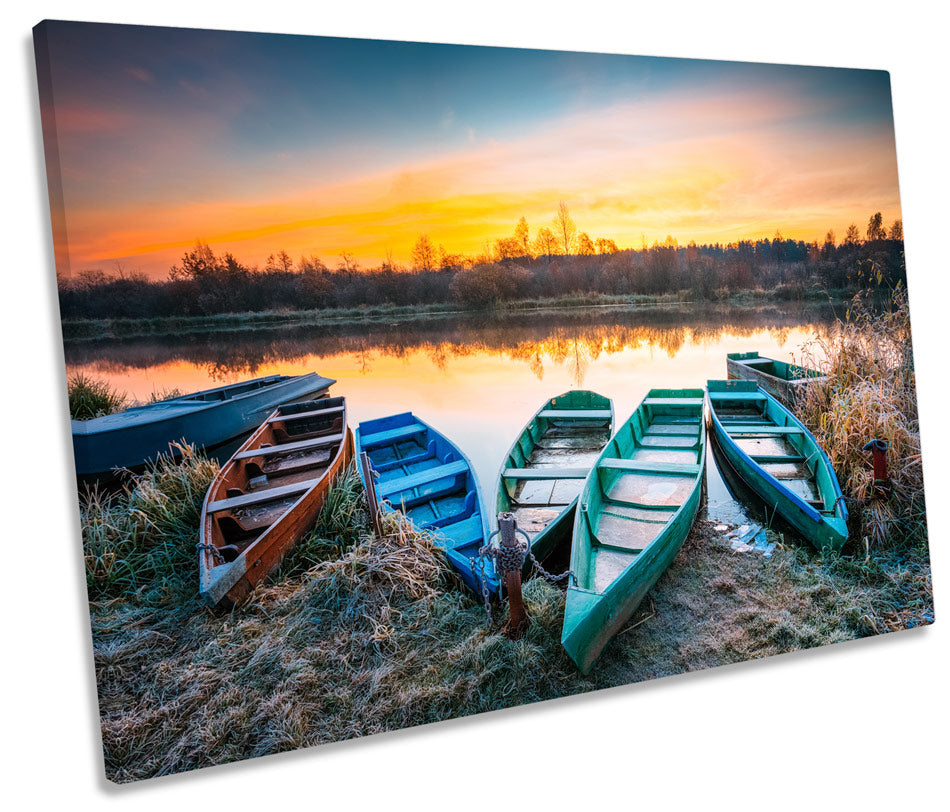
<point>209,419</point>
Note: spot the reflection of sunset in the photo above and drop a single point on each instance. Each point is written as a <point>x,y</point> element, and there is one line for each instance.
<point>163,139</point>
<point>481,396</point>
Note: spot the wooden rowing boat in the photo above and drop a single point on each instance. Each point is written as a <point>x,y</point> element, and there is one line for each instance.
<point>637,506</point>
<point>779,459</point>
<point>422,473</point>
<point>780,379</point>
<point>209,419</point>
<point>547,464</point>
<point>268,495</point>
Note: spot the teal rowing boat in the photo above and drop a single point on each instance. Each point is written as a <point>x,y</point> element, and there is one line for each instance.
<point>779,459</point>
<point>635,511</point>
<point>547,464</point>
<point>782,380</point>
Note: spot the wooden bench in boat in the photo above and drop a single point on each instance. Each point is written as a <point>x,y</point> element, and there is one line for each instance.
<point>736,396</point>
<point>301,445</point>
<point>393,435</point>
<point>575,414</point>
<point>672,429</point>
<point>267,495</point>
<point>769,429</point>
<point>767,458</point>
<point>546,473</point>
<point>283,418</point>
<point>633,466</point>
<point>464,532</point>
<point>425,477</point>
<point>673,401</point>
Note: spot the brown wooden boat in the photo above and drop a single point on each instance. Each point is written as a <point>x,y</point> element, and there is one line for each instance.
<point>268,495</point>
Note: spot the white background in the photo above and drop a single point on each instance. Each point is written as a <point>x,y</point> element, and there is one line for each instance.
<point>859,724</point>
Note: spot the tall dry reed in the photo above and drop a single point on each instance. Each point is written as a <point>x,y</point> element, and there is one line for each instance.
<point>871,394</point>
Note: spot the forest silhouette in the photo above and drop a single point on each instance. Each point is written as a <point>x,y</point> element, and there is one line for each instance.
<point>558,262</point>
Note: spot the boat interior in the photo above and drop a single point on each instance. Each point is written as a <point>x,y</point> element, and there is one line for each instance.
<point>774,440</point>
<point>545,470</point>
<point>424,476</point>
<point>777,369</point>
<point>647,472</point>
<point>232,390</point>
<point>285,458</point>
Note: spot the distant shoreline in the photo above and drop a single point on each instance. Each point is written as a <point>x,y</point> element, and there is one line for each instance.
<point>80,330</point>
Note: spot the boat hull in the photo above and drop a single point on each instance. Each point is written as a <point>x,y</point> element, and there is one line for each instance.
<point>425,476</point>
<point>634,514</point>
<point>787,382</point>
<point>209,419</point>
<point>268,495</point>
<point>565,435</point>
<point>822,521</point>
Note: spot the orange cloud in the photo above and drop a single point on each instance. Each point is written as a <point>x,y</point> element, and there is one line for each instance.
<point>713,169</point>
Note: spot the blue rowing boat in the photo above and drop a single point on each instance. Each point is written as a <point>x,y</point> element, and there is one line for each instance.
<point>422,473</point>
<point>779,459</point>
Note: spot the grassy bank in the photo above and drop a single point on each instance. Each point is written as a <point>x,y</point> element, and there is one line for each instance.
<point>870,394</point>
<point>95,329</point>
<point>357,636</point>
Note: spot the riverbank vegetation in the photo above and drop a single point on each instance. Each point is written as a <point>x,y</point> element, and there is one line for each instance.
<point>871,394</point>
<point>206,284</point>
<point>90,398</point>
<point>357,635</point>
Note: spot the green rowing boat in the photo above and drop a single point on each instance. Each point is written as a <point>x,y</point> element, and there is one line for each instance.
<point>779,459</point>
<point>634,513</point>
<point>782,380</point>
<point>547,464</point>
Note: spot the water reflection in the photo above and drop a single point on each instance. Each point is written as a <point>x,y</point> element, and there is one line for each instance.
<point>478,380</point>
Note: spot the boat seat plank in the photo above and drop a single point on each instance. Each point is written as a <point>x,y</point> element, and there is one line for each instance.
<point>546,473</point>
<point>673,401</point>
<point>464,532</point>
<point>283,448</point>
<point>575,414</point>
<point>734,430</point>
<point>777,458</point>
<point>656,430</point>
<point>425,477</point>
<point>284,418</point>
<point>736,396</point>
<point>267,495</point>
<point>684,468</point>
<point>393,435</point>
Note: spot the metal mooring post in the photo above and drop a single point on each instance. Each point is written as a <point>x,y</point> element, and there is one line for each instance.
<point>878,449</point>
<point>518,619</point>
<point>372,502</point>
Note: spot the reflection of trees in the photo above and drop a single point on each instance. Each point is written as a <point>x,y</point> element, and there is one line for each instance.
<point>576,337</point>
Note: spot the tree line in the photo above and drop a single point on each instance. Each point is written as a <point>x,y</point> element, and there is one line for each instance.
<point>558,261</point>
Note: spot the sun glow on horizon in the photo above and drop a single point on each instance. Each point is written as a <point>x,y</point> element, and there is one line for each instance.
<point>151,159</point>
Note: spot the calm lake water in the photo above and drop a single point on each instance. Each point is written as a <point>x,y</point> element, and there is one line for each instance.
<point>476,379</point>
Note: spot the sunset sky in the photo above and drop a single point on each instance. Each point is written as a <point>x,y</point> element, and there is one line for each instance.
<point>255,143</point>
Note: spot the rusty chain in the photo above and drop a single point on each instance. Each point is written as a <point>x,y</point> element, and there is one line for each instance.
<point>509,559</point>
<point>215,552</point>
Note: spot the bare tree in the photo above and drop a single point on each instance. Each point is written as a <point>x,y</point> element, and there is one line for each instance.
<point>564,227</point>
<point>545,243</point>
<point>876,227</point>
<point>347,263</point>
<point>523,237</point>
<point>507,248</point>
<point>423,254</point>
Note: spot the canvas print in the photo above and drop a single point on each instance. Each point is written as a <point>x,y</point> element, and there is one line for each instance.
<point>410,381</point>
